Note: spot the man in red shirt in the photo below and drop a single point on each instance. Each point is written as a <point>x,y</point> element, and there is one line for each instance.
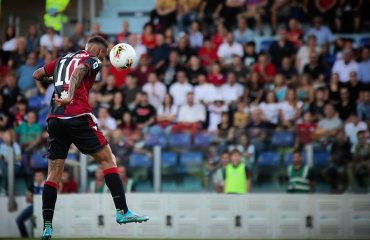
<point>67,185</point>
<point>266,70</point>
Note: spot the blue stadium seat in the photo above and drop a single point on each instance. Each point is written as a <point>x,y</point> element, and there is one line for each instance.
<point>38,161</point>
<point>35,102</point>
<point>282,139</point>
<point>168,159</point>
<point>321,159</point>
<point>365,41</point>
<point>271,159</point>
<point>265,45</point>
<point>203,139</point>
<point>190,162</point>
<point>155,139</point>
<point>288,158</point>
<point>139,160</point>
<point>182,140</point>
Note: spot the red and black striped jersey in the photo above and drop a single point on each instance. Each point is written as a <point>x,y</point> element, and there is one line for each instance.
<point>61,69</point>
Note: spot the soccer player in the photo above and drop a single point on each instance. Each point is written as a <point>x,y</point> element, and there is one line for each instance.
<point>70,121</point>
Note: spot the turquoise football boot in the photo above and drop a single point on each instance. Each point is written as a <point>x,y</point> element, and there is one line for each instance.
<point>129,217</point>
<point>47,233</point>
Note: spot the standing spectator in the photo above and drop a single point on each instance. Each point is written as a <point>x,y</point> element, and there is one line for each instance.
<point>164,14</point>
<point>195,35</point>
<point>36,189</point>
<point>155,90</point>
<point>237,175</point>
<point>50,41</point>
<point>67,184</point>
<point>300,177</point>
<point>345,66</point>
<point>303,55</point>
<point>144,113</point>
<point>243,34</point>
<point>265,70</point>
<point>125,33</point>
<point>215,111</point>
<point>25,81</point>
<point>208,53</point>
<point>130,90</point>
<point>191,115</point>
<point>78,38</point>
<point>9,91</point>
<point>105,122</point>
<point>363,107</point>
<point>229,48</point>
<point>364,67</point>
<point>352,127</point>
<point>32,39</point>
<point>98,184</point>
<point>281,48</point>
<point>345,107</point>
<point>29,133</point>
<point>9,44</point>
<point>204,92</point>
<point>180,88</point>
<point>322,33</point>
<point>231,90</point>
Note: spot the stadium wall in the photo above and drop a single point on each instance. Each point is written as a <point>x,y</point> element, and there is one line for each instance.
<point>208,216</point>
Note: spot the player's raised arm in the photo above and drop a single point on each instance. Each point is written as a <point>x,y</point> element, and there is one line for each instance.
<point>77,76</point>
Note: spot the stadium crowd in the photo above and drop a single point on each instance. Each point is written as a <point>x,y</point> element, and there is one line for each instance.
<point>199,72</point>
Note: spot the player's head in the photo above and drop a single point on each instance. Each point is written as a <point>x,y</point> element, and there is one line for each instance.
<point>98,46</point>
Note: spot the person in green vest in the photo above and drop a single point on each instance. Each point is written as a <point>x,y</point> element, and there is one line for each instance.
<point>300,177</point>
<point>236,175</point>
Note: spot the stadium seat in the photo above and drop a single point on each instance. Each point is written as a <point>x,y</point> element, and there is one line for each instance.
<point>168,159</point>
<point>139,160</point>
<point>35,102</point>
<point>190,162</point>
<point>152,140</point>
<point>288,158</point>
<point>282,139</point>
<point>203,139</point>
<point>271,159</point>
<point>38,161</point>
<point>265,45</point>
<point>182,140</point>
<point>321,159</point>
<point>365,41</point>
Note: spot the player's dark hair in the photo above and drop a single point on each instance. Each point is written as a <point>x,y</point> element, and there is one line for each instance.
<point>98,40</point>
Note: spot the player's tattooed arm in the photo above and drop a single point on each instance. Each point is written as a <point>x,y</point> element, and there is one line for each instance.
<point>40,75</point>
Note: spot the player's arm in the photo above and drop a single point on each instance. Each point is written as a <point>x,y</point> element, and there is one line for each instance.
<point>77,76</point>
<point>41,76</point>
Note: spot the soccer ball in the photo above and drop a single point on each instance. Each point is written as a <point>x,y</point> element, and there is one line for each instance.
<point>122,56</point>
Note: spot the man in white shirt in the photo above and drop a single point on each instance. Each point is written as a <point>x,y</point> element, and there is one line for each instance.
<point>231,90</point>
<point>204,93</point>
<point>179,89</point>
<point>155,89</point>
<point>51,41</point>
<point>344,67</point>
<point>352,127</point>
<point>323,33</point>
<point>228,49</point>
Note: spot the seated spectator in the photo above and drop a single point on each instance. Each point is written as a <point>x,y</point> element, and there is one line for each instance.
<point>164,14</point>
<point>66,47</point>
<point>231,9</point>
<point>125,33</point>
<point>204,92</point>
<point>50,41</point>
<point>317,106</point>
<point>170,67</point>
<point>352,127</point>
<point>148,38</point>
<point>215,76</point>
<point>348,16</point>
<point>184,50</point>
<point>322,33</point>
<point>117,107</point>
<point>305,91</point>
<point>186,13</point>
<point>219,35</point>
<point>93,101</point>
<point>305,130</point>
<point>191,115</point>
<point>345,66</point>
<point>139,48</point>
<point>27,213</point>
<point>33,39</point>
<point>290,109</point>
<point>354,87</point>
<point>218,178</point>
<point>209,11</point>
<point>207,53</point>
<point>105,122</point>
<point>314,69</point>
<point>345,107</point>
<point>266,70</point>
<point>215,111</point>
<point>19,56</point>
<point>128,183</point>
<point>195,35</point>
<point>24,74</point>
<point>29,133</point>
<point>144,113</point>
<point>281,48</point>
<point>231,90</point>
<point>142,71</point>
<point>242,33</point>
<point>237,176</point>
<point>364,67</point>
<point>9,44</point>
<point>280,88</point>
<point>246,149</point>
<point>67,184</point>
<point>108,89</point>
<point>288,70</point>
<point>303,55</point>
<point>363,107</point>
<point>78,38</point>
<point>250,54</point>
<point>180,88</point>
<point>129,128</point>
<point>130,90</point>
<point>254,89</point>
<point>167,111</point>
<point>336,173</point>
<point>257,128</point>
<point>10,92</point>
<point>160,52</point>
<point>225,130</point>
<point>330,124</point>
<point>155,90</point>
<point>300,176</point>
<point>194,69</point>
<point>270,108</point>
<point>240,118</point>
<point>123,139</point>
<point>359,168</point>
<point>256,10</point>
<point>95,30</point>
<point>334,87</point>
<point>98,184</point>
<point>295,32</point>
<point>238,68</point>
<point>229,48</point>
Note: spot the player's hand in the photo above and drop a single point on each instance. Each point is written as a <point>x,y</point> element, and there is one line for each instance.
<point>61,102</point>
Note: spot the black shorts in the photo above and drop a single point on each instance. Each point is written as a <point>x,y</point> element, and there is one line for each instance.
<point>81,131</point>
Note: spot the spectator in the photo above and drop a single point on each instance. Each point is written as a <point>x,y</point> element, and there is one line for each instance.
<point>281,48</point>
<point>204,92</point>
<point>317,105</point>
<point>130,90</point>
<point>215,76</point>
<point>195,35</point>
<point>148,38</point>
<point>250,55</point>
<point>167,111</point>
<point>254,89</point>
<point>247,150</point>
<point>345,107</point>
<point>67,184</point>
<point>36,189</point>
<point>303,55</point>
<point>218,178</point>
<point>98,184</point>
<point>220,34</point>
<point>143,70</point>
<point>128,183</point>
<point>180,88</point>
<point>322,33</point>
<point>160,52</point>
<point>336,174</point>
<point>240,118</point>
<point>237,176</point>
<point>215,111</point>
<point>364,67</point>
<point>32,39</point>
<point>238,68</point>
<point>290,109</point>
<point>212,161</point>
<point>314,69</point>
<point>225,130</point>
<point>363,107</point>
<point>130,133</point>
<point>125,33</point>
<point>50,41</point>
<point>117,107</point>
<point>140,49</point>
<point>305,91</point>
<point>155,90</point>
<point>256,10</point>
<point>352,127</point>
<point>191,115</point>
<point>266,70</point>
<point>66,47</point>
<point>306,129</point>
<point>300,176</point>
<point>295,32</point>
<point>29,133</point>
<point>10,92</point>
<point>243,34</point>
<point>194,69</point>
<point>231,90</point>
<point>279,87</point>
<point>19,56</point>
<point>186,13</point>
<point>25,81</point>
<point>108,89</point>
<point>9,44</point>
<point>78,38</point>
<point>326,9</point>
<point>354,87</point>
<point>144,113</point>
<point>229,48</point>
<point>106,123</point>
<point>348,17</point>
<point>95,30</point>
<point>345,66</point>
<point>209,11</point>
<point>334,87</point>
<point>208,53</point>
<point>270,108</point>
<point>330,124</point>
<point>230,11</point>
<point>257,128</point>
<point>164,14</point>
<point>171,66</point>
<point>184,50</point>
<point>288,70</point>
